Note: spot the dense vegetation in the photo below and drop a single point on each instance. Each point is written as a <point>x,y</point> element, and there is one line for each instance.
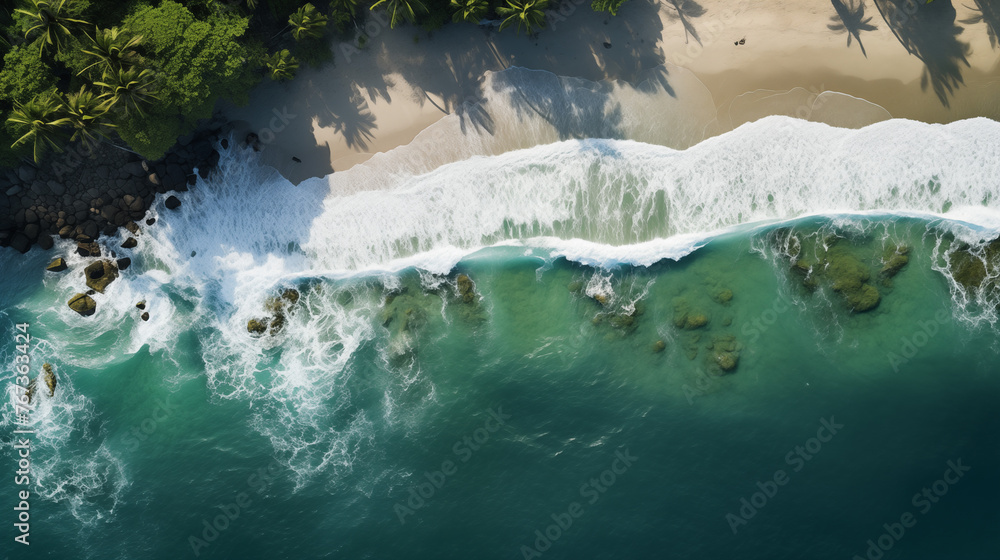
<point>145,71</point>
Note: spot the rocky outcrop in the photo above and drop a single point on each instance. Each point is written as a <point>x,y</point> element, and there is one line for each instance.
<point>83,304</point>
<point>57,265</point>
<point>278,307</point>
<point>50,378</point>
<point>83,195</point>
<point>99,274</point>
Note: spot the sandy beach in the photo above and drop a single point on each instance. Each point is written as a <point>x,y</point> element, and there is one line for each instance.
<point>380,96</point>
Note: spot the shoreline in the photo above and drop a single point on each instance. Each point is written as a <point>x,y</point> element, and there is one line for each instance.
<point>381,97</point>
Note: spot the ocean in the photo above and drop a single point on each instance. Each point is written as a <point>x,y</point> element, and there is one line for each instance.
<point>779,342</point>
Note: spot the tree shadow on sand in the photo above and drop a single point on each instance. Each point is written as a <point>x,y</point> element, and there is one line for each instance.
<point>686,11</point>
<point>989,13</point>
<point>850,18</point>
<point>929,32</point>
<point>355,121</point>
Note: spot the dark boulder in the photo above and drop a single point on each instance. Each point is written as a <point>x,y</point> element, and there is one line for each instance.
<point>58,265</point>
<point>172,203</point>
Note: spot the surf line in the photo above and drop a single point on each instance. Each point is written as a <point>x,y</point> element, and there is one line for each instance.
<point>22,432</point>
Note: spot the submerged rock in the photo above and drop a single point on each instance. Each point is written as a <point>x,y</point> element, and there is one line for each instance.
<point>50,378</point>
<point>894,259</point>
<point>725,352</point>
<point>723,297</point>
<point>849,277</point>
<point>99,274</point>
<point>83,304</point>
<point>971,267</point>
<point>465,288</point>
<point>57,265</point>
<point>659,346</point>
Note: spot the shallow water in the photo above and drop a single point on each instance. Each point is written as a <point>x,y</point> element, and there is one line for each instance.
<point>475,350</point>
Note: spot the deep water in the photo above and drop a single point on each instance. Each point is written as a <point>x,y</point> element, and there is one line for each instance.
<point>551,388</point>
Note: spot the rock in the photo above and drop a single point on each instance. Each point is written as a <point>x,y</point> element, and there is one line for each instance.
<point>154,178</point>
<point>172,202</point>
<point>465,288</point>
<point>723,297</point>
<point>725,352</point>
<point>659,346</point>
<point>150,221</point>
<point>863,299</point>
<point>30,217</point>
<point>141,305</point>
<point>32,387</point>
<point>134,169</point>
<point>26,173</point>
<point>133,228</point>
<point>894,259</point>
<point>57,188</point>
<point>20,243</point>
<point>32,231</point>
<point>91,249</point>
<point>50,379</point>
<point>123,263</point>
<point>257,326</point>
<point>66,232</point>
<point>144,316</point>
<point>695,321</point>
<point>57,265</point>
<point>16,189</point>
<point>100,273</point>
<point>224,143</point>
<point>91,230</point>
<point>83,304</point>
<point>45,242</point>
<point>290,295</point>
<point>575,286</point>
<point>129,243</point>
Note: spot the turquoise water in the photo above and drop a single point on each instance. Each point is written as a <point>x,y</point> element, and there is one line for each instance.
<point>455,393</point>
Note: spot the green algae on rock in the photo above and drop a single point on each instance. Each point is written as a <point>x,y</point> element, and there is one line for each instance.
<point>50,378</point>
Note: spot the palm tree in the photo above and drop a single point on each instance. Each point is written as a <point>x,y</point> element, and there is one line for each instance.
<point>307,22</point>
<point>128,89</point>
<point>527,14</point>
<point>44,124</point>
<point>112,49</point>
<point>401,10</point>
<point>52,20</point>
<point>282,65</point>
<point>468,10</point>
<point>85,111</point>
<point>345,6</point>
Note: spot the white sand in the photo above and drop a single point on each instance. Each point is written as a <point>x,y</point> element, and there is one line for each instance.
<point>403,80</point>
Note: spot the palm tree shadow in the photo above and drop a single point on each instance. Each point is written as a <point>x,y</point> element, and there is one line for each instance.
<point>687,10</point>
<point>851,19</point>
<point>989,13</point>
<point>474,112</point>
<point>929,33</point>
<point>356,124</point>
